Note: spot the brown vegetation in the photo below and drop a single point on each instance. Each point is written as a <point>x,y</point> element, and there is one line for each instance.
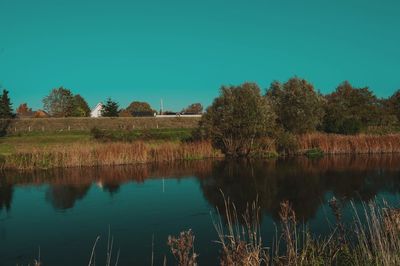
<point>95,154</point>
<point>372,239</point>
<point>349,144</point>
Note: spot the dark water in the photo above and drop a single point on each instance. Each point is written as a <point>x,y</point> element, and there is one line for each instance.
<point>63,211</point>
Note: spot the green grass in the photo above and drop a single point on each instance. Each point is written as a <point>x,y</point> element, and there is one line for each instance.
<point>314,153</point>
<point>175,134</point>
<point>10,144</point>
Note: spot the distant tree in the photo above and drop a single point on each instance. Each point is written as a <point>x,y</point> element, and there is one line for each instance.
<point>350,109</point>
<point>24,110</point>
<point>124,113</point>
<point>298,106</point>
<point>140,109</point>
<point>80,107</point>
<point>110,109</point>
<point>6,110</point>
<point>195,108</point>
<point>239,120</point>
<point>59,103</point>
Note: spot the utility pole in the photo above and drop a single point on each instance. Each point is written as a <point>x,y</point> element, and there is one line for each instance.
<point>161,107</point>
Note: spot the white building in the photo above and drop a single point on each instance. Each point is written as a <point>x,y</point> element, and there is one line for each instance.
<point>96,112</point>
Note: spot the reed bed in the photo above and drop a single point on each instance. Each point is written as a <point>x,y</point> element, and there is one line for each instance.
<point>373,238</point>
<point>110,154</point>
<point>354,144</point>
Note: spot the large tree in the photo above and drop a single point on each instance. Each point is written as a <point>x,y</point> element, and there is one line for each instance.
<point>59,103</point>
<point>81,107</point>
<point>239,120</point>
<point>6,110</point>
<point>349,109</point>
<point>195,108</point>
<point>137,108</point>
<point>298,106</point>
<point>110,109</point>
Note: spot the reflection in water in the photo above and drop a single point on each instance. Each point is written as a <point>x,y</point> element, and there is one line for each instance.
<point>64,196</point>
<point>6,192</point>
<point>302,181</point>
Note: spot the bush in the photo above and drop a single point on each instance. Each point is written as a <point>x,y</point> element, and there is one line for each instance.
<point>314,153</point>
<point>350,109</point>
<point>238,120</point>
<point>298,106</point>
<point>350,126</point>
<point>287,143</point>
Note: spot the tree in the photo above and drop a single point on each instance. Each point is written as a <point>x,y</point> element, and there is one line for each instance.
<point>349,109</point>
<point>6,110</point>
<point>24,110</point>
<point>59,103</point>
<point>298,106</point>
<point>110,109</point>
<point>80,107</point>
<point>239,120</point>
<point>195,108</point>
<point>140,109</point>
<point>393,104</point>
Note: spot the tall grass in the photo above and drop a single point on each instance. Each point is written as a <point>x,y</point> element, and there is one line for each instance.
<point>96,154</point>
<point>345,144</point>
<point>372,239</point>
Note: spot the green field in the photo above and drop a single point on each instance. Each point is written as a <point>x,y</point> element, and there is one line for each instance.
<point>36,140</point>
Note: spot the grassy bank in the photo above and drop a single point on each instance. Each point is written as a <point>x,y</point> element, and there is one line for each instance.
<point>96,154</point>
<point>42,150</point>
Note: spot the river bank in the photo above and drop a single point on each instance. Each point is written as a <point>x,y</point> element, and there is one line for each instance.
<point>80,149</point>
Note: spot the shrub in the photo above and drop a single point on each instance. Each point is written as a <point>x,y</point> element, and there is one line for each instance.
<point>237,120</point>
<point>298,106</point>
<point>350,109</point>
<point>286,143</point>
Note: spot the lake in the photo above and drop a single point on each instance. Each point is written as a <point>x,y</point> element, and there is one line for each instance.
<point>61,212</point>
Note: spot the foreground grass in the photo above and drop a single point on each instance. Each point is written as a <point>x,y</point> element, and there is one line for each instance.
<point>373,238</point>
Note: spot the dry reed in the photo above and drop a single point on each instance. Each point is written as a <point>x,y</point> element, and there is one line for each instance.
<point>345,144</point>
<point>96,154</point>
<point>241,245</point>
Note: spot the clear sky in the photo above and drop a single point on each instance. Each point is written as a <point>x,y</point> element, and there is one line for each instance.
<point>184,50</point>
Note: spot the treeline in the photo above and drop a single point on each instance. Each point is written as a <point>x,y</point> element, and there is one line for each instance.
<point>242,121</point>
<point>61,102</point>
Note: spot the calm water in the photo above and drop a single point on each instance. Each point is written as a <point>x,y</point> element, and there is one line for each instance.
<point>63,212</point>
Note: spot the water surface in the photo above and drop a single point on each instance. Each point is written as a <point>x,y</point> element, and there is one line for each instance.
<point>63,211</point>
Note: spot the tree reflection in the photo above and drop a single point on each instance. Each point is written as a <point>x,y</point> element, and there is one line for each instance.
<point>302,181</point>
<point>63,197</point>
<point>245,182</point>
<point>305,183</point>
<point>6,194</point>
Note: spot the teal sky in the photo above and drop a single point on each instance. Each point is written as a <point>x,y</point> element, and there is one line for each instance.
<point>184,50</point>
